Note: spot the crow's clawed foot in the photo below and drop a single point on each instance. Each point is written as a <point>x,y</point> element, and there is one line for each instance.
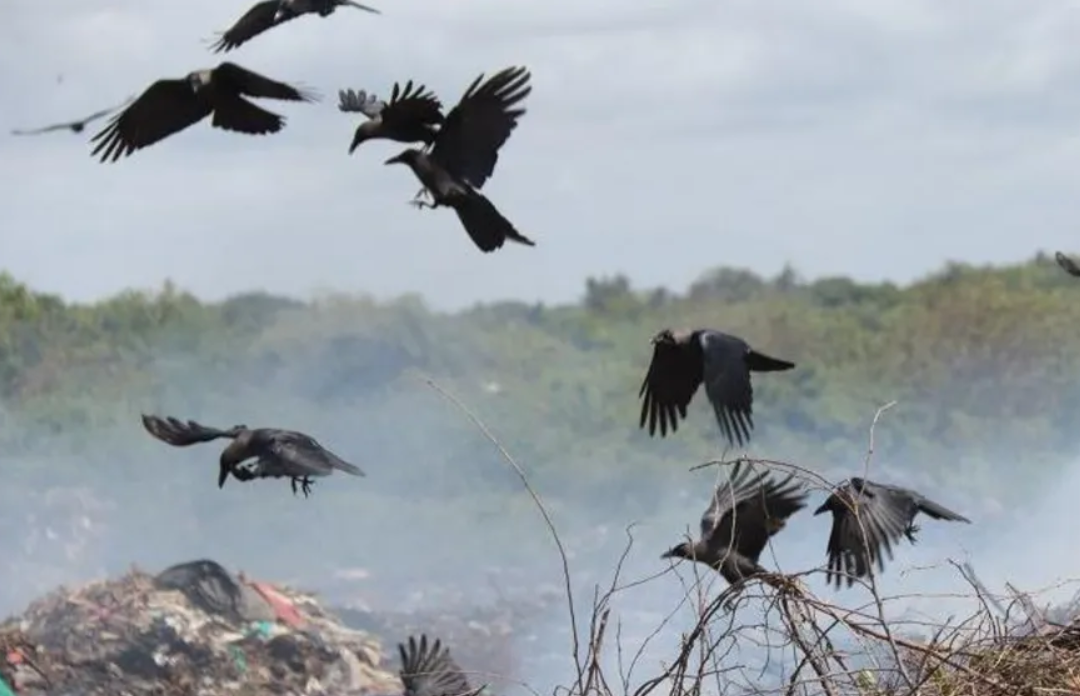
<point>305,485</point>
<point>419,204</point>
<point>910,533</point>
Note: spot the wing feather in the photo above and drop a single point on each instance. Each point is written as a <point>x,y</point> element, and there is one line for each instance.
<point>413,105</point>
<point>360,102</point>
<point>430,670</point>
<point>727,384</point>
<point>165,108</point>
<point>305,453</point>
<point>178,433</point>
<point>252,84</point>
<point>236,114</point>
<point>748,509</point>
<point>674,375</point>
<point>479,125</point>
<point>1067,264</point>
<point>259,18</point>
<point>858,542</point>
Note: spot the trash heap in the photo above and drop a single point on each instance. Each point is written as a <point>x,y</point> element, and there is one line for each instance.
<point>192,630</point>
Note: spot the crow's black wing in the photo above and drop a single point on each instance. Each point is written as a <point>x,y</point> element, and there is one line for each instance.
<point>1067,264</point>
<point>765,513</point>
<point>412,105</point>
<point>469,140</point>
<point>252,84</point>
<point>44,129</point>
<point>165,108</point>
<point>178,433</point>
<point>856,543</point>
<point>303,452</point>
<point>429,670</point>
<point>719,521</point>
<point>727,384</point>
<point>674,375</point>
<point>259,18</point>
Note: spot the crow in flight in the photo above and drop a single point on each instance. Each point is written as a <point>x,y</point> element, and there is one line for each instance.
<point>73,126</point>
<point>278,453</point>
<point>682,360</point>
<point>744,513</point>
<point>465,152</point>
<point>431,671</point>
<point>886,514</point>
<point>1067,264</point>
<point>411,116</point>
<point>270,13</point>
<point>169,106</point>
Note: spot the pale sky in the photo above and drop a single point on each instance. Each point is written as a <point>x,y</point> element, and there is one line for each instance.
<point>874,138</point>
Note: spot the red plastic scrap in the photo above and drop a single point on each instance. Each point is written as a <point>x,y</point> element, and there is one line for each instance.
<point>284,609</point>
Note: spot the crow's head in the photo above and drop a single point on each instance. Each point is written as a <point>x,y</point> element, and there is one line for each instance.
<point>665,337</point>
<point>365,131</point>
<point>683,550</point>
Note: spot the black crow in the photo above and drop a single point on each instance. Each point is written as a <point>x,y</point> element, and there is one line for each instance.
<point>73,126</point>
<point>465,152</point>
<point>279,453</point>
<point>885,512</point>
<point>682,360</point>
<point>431,671</point>
<point>745,512</point>
<point>411,116</point>
<point>169,106</point>
<point>270,13</point>
<point>1067,264</point>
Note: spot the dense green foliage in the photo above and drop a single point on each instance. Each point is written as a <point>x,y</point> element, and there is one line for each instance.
<point>985,364</point>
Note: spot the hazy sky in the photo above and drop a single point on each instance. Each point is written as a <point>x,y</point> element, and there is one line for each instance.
<point>875,138</point>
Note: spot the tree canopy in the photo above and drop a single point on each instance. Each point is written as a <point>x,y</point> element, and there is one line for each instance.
<point>984,364</point>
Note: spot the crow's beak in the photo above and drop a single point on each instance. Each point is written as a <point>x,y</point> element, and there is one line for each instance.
<point>396,159</point>
<point>362,7</point>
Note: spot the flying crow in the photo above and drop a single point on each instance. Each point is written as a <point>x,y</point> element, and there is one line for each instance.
<point>1067,264</point>
<point>885,512</point>
<point>270,13</point>
<point>465,152</point>
<point>682,360</point>
<point>73,126</point>
<point>278,453</point>
<point>745,512</point>
<point>411,116</point>
<point>169,106</point>
<point>431,671</point>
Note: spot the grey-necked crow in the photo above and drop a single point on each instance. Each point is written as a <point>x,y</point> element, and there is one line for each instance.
<point>744,513</point>
<point>886,514</point>
<point>279,453</point>
<point>682,360</point>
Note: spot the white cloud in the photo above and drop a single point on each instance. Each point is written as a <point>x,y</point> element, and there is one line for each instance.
<point>871,137</point>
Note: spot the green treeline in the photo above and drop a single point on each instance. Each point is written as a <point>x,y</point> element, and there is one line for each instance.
<point>984,362</point>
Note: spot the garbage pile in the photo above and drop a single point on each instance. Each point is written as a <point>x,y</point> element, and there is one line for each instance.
<point>192,630</point>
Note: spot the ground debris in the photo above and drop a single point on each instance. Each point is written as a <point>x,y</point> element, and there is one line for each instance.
<point>192,630</point>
